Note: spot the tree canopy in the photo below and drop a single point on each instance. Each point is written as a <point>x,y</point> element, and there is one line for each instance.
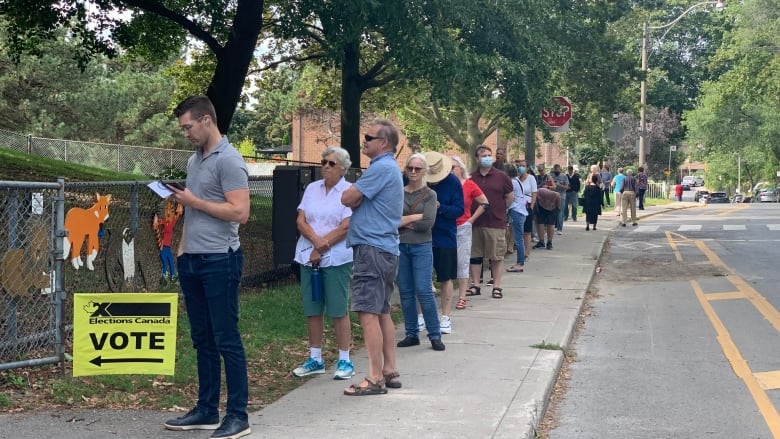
<point>152,28</point>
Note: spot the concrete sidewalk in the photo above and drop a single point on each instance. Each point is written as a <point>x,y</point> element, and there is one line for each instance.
<point>488,383</point>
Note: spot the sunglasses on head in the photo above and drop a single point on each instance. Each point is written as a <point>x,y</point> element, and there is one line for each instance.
<point>413,169</point>
<point>330,163</point>
<point>370,138</point>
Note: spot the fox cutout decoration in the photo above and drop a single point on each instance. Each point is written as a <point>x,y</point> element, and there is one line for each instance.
<point>85,224</point>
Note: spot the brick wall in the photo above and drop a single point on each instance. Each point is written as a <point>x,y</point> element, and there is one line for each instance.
<point>314,132</point>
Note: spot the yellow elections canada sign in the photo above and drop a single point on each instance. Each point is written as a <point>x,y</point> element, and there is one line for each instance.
<point>124,333</point>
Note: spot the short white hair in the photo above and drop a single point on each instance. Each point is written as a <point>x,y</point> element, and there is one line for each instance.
<point>341,155</point>
<point>420,157</point>
<point>462,166</point>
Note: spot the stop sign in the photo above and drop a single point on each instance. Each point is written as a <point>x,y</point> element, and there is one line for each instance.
<point>559,115</point>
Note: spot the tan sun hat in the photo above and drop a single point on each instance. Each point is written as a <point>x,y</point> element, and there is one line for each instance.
<point>438,166</point>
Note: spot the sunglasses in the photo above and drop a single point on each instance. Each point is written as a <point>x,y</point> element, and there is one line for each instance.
<point>330,163</point>
<point>413,169</point>
<point>370,138</point>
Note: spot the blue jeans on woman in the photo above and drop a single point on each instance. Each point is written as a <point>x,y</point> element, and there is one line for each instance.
<point>209,283</point>
<point>415,277</point>
<point>518,227</point>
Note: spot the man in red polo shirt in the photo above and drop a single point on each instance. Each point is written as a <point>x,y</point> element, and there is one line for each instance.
<point>488,233</point>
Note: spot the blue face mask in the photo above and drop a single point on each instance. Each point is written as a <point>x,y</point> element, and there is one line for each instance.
<point>521,169</point>
<point>486,161</point>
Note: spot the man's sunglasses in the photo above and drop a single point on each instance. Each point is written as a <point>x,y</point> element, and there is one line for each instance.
<point>330,163</point>
<point>370,138</point>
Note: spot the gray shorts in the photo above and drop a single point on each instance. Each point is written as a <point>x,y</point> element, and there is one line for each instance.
<point>373,279</point>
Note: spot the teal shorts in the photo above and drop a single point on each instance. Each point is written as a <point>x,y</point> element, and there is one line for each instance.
<point>335,291</point>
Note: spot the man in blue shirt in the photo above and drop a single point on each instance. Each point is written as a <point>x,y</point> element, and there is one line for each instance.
<point>376,200</point>
<point>617,185</point>
<point>449,194</point>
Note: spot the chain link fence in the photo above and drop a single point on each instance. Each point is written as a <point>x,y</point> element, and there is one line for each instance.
<point>121,158</point>
<point>116,233</point>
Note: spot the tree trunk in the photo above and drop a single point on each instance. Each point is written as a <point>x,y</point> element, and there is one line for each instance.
<point>233,62</point>
<point>351,91</point>
<point>530,146</point>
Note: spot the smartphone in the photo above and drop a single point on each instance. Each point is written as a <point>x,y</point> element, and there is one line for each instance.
<point>173,184</point>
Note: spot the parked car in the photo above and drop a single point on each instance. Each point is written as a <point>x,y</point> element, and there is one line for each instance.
<point>701,196</point>
<point>769,195</point>
<point>738,198</point>
<point>718,197</point>
<point>692,181</point>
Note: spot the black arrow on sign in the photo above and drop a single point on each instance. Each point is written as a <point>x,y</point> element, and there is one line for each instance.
<point>98,361</point>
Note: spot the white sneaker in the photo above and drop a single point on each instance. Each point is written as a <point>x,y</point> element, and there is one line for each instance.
<point>420,322</point>
<point>445,325</point>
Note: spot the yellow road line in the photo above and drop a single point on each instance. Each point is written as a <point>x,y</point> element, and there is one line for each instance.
<point>734,209</point>
<point>756,383</point>
<point>725,296</point>
<point>739,365</point>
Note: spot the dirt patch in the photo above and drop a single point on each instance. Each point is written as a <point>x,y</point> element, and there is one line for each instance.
<point>558,394</point>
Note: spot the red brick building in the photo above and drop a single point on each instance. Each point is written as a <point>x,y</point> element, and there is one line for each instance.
<point>313,132</point>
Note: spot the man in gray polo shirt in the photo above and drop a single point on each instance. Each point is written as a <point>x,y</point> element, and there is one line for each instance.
<point>561,182</point>
<point>210,262</point>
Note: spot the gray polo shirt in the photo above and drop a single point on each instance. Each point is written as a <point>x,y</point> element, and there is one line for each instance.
<point>209,178</point>
<point>562,178</point>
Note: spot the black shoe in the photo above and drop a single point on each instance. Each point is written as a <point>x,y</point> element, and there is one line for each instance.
<point>232,428</point>
<point>490,283</point>
<point>634,224</point>
<point>549,245</point>
<point>408,341</point>
<point>623,224</point>
<point>587,228</point>
<point>437,344</point>
<point>539,244</point>
<point>193,420</point>
<point>574,219</point>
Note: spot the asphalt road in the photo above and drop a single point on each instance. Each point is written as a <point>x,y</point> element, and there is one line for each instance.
<point>684,337</point>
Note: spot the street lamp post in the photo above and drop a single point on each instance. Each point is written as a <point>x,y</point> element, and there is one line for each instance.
<point>646,28</point>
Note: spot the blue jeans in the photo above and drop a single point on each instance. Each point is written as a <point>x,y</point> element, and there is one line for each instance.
<point>572,198</point>
<point>168,267</point>
<point>415,276</point>
<point>209,283</point>
<point>518,226</point>
<point>561,211</point>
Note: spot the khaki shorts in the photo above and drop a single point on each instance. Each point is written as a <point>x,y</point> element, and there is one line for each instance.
<point>488,243</point>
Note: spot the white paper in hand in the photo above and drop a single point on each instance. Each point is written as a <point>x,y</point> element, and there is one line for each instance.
<point>160,189</point>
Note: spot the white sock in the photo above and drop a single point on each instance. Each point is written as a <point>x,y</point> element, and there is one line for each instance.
<point>316,353</point>
<point>343,355</point>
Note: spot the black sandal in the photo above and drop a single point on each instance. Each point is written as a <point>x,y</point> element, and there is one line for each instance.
<point>392,380</point>
<point>473,290</point>
<point>498,293</point>
<point>371,388</point>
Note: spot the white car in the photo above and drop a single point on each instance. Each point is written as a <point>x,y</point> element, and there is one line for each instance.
<point>692,181</point>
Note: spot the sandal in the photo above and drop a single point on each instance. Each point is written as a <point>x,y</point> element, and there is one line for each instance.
<point>498,293</point>
<point>473,290</point>
<point>392,381</point>
<point>371,388</point>
<point>517,268</point>
<point>461,304</point>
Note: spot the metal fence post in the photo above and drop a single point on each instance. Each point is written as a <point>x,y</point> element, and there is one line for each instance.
<point>59,273</point>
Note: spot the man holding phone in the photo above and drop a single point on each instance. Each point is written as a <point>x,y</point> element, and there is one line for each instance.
<point>210,263</point>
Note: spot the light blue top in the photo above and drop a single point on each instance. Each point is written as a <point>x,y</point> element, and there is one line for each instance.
<point>376,220</point>
<point>518,205</point>
<point>619,182</point>
<point>210,178</point>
